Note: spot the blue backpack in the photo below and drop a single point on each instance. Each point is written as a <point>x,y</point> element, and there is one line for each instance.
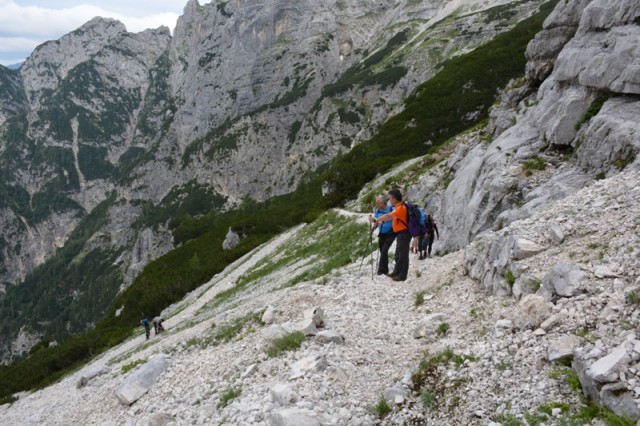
<point>416,223</point>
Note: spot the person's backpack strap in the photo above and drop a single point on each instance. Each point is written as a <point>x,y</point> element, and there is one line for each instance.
<point>406,207</point>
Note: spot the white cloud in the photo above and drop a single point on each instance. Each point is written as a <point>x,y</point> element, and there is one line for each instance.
<point>22,28</point>
<point>13,44</point>
<point>44,23</point>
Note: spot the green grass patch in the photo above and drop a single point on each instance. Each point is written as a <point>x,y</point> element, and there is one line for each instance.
<point>536,163</point>
<point>632,298</point>
<point>229,331</point>
<point>229,395</point>
<point>430,363</point>
<point>622,163</point>
<point>128,367</point>
<point>508,420</point>
<point>290,342</point>
<point>329,242</point>
<point>419,298</point>
<point>504,366</point>
<point>443,329</point>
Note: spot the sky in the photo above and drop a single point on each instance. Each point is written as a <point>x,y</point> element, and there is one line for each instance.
<point>25,24</point>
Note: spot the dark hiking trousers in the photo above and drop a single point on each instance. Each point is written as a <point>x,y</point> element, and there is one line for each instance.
<point>384,242</point>
<point>403,244</point>
<point>430,238</point>
<point>422,244</point>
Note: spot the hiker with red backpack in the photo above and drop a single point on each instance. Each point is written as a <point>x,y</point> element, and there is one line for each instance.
<point>400,225</point>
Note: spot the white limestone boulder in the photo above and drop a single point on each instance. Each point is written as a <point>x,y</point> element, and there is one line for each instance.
<point>142,380</point>
<point>562,348</point>
<point>606,369</point>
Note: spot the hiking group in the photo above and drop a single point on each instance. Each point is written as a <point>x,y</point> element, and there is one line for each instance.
<point>157,326</point>
<point>409,226</point>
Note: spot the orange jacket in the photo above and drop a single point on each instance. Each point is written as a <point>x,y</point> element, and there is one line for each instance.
<point>400,218</point>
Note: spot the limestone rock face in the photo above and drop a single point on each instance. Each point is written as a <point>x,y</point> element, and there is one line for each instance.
<point>579,68</point>
<point>559,27</point>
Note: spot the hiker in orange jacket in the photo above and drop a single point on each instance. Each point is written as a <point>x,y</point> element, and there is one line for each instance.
<point>400,222</point>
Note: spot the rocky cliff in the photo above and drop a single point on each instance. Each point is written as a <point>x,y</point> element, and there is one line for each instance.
<point>106,135</point>
<point>574,124</point>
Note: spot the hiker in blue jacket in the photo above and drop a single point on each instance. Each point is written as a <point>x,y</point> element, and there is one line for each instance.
<point>421,240</point>
<point>386,236</point>
<point>147,326</point>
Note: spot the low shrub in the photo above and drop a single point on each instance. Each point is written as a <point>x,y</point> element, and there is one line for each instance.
<point>508,276</point>
<point>382,408</point>
<point>428,399</point>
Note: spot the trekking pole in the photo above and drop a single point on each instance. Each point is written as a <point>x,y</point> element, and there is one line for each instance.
<point>371,252</point>
<point>377,263</point>
<point>371,228</point>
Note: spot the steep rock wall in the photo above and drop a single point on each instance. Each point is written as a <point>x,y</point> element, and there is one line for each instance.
<point>577,126</point>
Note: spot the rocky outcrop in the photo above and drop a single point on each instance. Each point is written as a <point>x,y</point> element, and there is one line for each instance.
<point>559,27</point>
<point>586,58</point>
<point>231,240</point>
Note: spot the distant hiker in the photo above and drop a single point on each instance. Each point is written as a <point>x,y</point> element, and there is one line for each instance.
<point>432,232</point>
<point>157,325</point>
<point>417,241</point>
<point>385,233</point>
<point>400,222</point>
<point>147,327</point>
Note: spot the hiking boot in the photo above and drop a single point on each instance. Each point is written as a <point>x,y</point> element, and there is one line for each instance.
<point>391,275</point>
<point>397,278</point>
